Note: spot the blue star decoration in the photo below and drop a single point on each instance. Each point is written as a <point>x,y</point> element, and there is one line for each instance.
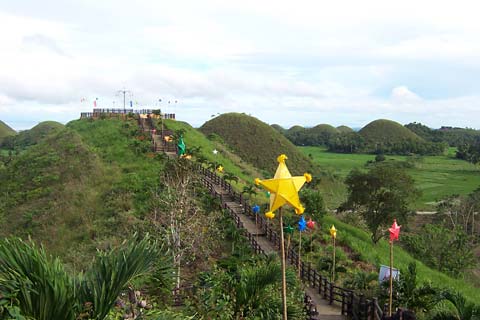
<point>256,209</point>
<point>302,224</point>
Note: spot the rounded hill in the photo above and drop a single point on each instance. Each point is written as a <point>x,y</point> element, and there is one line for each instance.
<point>37,133</point>
<point>323,129</point>
<point>278,127</point>
<point>256,142</point>
<point>295,129</point>
<point>344,129</point>
<point>387,132</point>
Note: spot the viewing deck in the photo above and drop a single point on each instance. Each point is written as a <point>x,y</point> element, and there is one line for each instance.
<point>97,113</point>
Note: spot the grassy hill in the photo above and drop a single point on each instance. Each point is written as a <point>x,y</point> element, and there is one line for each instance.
<point>256,142</point>
<point>386,131</point>
<point>37,133</point>
<point>344,129</point>
<point>50,192</point>
<point>323,129</point>
<point>5,130</point>
<point>79,188</point>
<point>295,129</point>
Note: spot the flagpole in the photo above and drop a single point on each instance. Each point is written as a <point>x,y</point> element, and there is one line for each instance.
<point>391,279</point>
<point>333,265</point>
<point>299,252</point>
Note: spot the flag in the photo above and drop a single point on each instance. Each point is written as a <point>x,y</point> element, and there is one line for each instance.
<point>181,146</point>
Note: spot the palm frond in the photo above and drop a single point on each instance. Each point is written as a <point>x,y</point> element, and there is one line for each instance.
<point>41,287</point>
<point>111,272</point>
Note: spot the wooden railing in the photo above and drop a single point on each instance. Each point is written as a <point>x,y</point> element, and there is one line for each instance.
<point>115,112</point>
<point>355,306</point>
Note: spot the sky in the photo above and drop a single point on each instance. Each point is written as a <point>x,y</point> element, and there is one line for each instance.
<point>285,62</point>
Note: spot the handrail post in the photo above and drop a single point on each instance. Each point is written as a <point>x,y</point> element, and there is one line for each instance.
<point>331,293</point>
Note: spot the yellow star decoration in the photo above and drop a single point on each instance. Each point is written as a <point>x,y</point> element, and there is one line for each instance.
<point>284,188</point>
<point>333,232</point>
<point>220,169</point>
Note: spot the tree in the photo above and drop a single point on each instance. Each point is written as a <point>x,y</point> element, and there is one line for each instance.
<point>449,251</point>
<point>380,195</point>
<point>454,306</point>
<point>250,190</point>
<point>249,291</point>
<point>470,151</point>
<point>313,202</point>
<point>188,230</point>
<point>230,177</point>
<point>460,211</point>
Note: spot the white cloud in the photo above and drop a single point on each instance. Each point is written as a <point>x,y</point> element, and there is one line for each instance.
<point>402,94</point>
<point>302,62</point>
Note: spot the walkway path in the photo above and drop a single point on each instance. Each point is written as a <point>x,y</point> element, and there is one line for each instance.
<point>324,309</point>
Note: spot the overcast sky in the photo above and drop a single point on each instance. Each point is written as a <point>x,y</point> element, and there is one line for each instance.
<point>286,62</point>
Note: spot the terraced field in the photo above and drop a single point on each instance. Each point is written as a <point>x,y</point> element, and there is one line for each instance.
<point>436,176</point>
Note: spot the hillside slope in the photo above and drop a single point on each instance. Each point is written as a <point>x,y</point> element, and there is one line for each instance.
<point>195,139</point>
<point>37,133</point>
<point>50,192</point>
<point>256,142</point>
<point>79,188</point>
<point>5,130</point>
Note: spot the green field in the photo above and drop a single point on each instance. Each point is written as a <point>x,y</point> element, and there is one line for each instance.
<point>436,176</point>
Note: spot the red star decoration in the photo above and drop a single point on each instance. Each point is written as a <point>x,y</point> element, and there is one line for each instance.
<point>311,224</point>
<point>394,230</point>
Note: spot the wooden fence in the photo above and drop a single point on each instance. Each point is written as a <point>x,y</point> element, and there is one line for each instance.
<point>97,113</point>
<point>352,305</point>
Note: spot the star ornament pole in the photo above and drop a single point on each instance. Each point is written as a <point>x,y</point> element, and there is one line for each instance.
<point>394,233</point>
<point>333,234</point>
<point>283,190</point>
<point>302,225</point>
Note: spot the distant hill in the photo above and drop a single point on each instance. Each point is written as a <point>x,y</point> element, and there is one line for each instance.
<point>37,133</point>
<point>344,129</point>
<point>384,136</point>
<point>323,129</point>
<point>256,142</point>
<point>279,128</point>
<point>455,137</point>
<point>5,130</point>
<point>319,135</point>
<point>387,131</point>
<point>32,136</point>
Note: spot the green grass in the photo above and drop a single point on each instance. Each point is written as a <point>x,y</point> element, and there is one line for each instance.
<point>436,176</point>
<point>360,242</point>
